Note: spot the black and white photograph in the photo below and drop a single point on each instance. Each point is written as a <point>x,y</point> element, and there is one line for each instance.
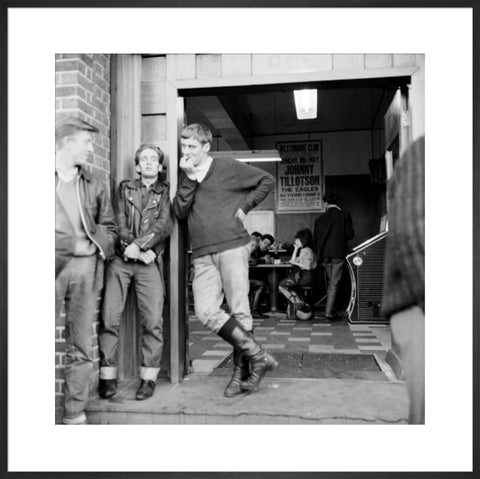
<point>253,242</point>
<point>290,290</point>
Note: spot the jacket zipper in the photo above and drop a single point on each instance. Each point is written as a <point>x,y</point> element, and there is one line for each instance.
<point>102,254</point>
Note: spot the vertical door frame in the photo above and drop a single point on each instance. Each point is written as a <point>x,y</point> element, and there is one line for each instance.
<point>178,301</point>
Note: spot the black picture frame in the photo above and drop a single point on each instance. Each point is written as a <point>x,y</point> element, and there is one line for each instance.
<point>4,8</point>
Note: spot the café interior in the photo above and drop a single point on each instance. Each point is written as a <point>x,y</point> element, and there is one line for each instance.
<point>342,147</point>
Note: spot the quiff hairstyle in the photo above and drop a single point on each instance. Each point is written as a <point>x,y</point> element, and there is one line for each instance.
<point>149,146</point>
<point>70,126</point>
<point>198,132</point>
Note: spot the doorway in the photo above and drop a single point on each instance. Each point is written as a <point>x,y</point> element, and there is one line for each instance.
<point>350,126</point>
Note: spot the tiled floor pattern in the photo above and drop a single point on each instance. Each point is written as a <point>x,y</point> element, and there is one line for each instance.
<point>207,350</point>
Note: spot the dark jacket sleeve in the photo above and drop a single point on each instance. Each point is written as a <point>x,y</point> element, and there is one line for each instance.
<point>259,182</point>
<point>349,231</point>
<point>185,195</point>
<point>106,224</point>
<point>161,229</point>
<point>125,234</point>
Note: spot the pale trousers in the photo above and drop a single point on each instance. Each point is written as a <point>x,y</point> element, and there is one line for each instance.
<point>408,330</point>
<point>218,276</point>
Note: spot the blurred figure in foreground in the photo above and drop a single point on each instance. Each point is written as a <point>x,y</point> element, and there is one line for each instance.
<point>404,289</point>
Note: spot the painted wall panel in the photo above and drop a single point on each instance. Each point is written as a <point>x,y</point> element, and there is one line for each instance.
<point>185,66</point>
<point>236,65</point>
<point>154,68</point>
<point>154,99</point>
<point>209,66</point>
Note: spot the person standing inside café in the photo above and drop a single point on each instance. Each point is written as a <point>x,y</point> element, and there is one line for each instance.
<point>331,232</point>
<point>216,195</point>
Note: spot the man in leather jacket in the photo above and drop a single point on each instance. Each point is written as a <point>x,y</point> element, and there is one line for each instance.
<point>143,211</point>
<point>85,233</point>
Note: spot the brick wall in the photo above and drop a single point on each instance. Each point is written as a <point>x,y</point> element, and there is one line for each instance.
<point>82,87</point>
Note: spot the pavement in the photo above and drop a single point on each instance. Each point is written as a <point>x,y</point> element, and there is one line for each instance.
<point>199,400</point>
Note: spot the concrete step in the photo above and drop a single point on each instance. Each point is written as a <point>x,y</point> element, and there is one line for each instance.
<point>199,400</point>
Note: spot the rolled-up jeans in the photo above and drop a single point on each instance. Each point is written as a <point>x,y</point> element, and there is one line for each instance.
<point>149,291</point>
<point>218,276</point>
<point>76,285</point>
<point>334,268</point>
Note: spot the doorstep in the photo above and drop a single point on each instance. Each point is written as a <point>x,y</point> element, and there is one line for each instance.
<point>199,400</point>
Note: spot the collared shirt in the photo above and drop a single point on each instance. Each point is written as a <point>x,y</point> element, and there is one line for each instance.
<point>334,206</point>
<point>145,191</point>
<point>201,171</point>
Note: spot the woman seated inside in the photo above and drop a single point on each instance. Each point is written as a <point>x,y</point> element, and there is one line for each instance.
<point>304,262</point>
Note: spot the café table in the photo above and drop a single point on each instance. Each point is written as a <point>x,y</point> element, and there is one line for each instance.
<point>273,278</point>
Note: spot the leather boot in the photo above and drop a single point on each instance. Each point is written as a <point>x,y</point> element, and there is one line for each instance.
<point>260,360</point>
<point>241,371</point>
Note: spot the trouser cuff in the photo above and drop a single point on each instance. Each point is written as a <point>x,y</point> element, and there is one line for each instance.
<point>149,374</point>
<point>73,421</point>
<point>108,372</point>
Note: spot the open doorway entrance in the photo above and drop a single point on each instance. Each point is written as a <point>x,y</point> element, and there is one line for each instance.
<point>350,128</point>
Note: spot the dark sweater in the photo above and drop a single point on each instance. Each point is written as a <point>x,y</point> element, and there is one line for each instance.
<point>331,232</point>
<point>211,205</point>
<point>405,255</point>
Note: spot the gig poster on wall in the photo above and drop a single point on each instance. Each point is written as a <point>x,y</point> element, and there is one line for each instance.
<point>300,180</point>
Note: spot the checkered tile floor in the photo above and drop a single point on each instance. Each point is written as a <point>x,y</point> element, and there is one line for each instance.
<point>207,350</point>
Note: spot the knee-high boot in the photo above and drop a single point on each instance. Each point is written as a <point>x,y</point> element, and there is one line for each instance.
<point>241,371</point>
<point>260,360</point>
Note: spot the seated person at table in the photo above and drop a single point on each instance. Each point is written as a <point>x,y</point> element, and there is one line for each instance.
<point>304,262</point>
<point>256,238</point>
<point>260,253</point>
<point>258,285</point>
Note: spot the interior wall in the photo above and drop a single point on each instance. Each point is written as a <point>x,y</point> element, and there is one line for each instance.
<point>345,156</point>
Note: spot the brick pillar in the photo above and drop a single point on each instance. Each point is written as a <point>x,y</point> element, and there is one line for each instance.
<point>82,87</point>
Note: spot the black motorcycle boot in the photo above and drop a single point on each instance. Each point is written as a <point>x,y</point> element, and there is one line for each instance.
<point>260,360</point>
<point>241,371</point>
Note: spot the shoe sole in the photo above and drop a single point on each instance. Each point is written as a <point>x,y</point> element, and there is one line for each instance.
<point>104,396</point>
<point>270,367</point>
<point>239,393</point>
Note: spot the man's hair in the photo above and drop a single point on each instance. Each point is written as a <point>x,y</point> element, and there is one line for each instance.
<point>198,132</point>
<point>148,146</point>
<point>305,236</point>
<point>257,234</point>
<point>70,126</point>
<point>331,198</point>
<point>269,237</point>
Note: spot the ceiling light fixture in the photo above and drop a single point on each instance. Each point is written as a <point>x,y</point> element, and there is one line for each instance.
<point>306,104</point>
<point>248,156</point>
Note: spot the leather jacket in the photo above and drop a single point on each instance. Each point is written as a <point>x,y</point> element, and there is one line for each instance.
<point>147,226</point>
<point>96,213</point>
